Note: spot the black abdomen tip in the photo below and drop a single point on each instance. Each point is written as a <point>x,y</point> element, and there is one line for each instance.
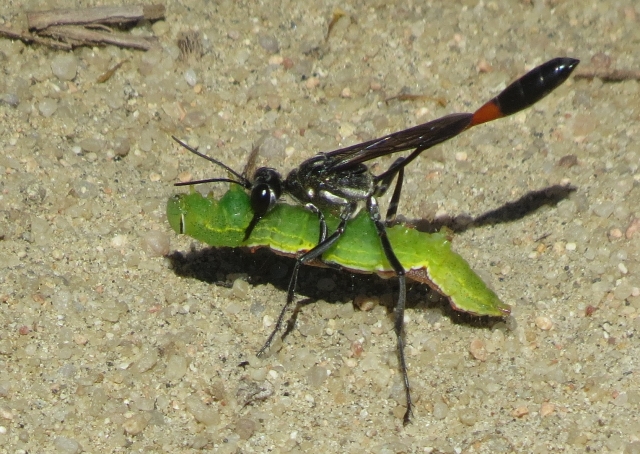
<point>536,84</point>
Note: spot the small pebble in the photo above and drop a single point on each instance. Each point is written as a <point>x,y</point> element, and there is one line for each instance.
<point>201,412</point>
<point>316,376</point>
<point>176,368</point>
<point>48,107</point>
<point>10,99</point>
<point>67,445</point>
<point>544,323</point>
<point>185,176</point>
<point>350,363</point>
<point>461,156</point>
<point>603,209</point>
<point>147,361</point>
<point>633,228</point>
<point>267,322</point>
<point>546,409</point>
<point>195,119</point>
<point>121,146</point>
<point>119,241</point>
<point>135,424</point>
<point>6,413</point>
<point>620,399</point>
<point>366,303</point>
<point>483,66</point>
<point>232,308</point>
<point>92,145</point>
<point>467,417</point>
<point>357,349</point>
<point>520,412</point>
<point>80,339</point>
<point>110,314</point>
<point>440,410</point>
<point>312,82</point>
<point>287,63</point>
<point>245,428</point>
<point>623,268</point>
<point>601,60</point>
<point>269,43</point>
<point>568,161</point>
<point>346,129</point>
<point>615,233</point>
<point>478,349</point>
<point>156,243</point>
<point>422,112</point>
<point>190,77</point>
<point>272,148</point>
<point>64,66</point>
<point>240,289</point>
<point>584,124</point>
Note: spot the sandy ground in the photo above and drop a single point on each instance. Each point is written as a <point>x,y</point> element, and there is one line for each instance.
<point>107,346</point>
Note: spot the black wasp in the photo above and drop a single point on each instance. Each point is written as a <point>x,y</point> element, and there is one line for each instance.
<point>341,182</point>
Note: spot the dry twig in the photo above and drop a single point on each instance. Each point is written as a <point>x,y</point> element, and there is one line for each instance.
<point>409,97</point>
<point>89,26</point>
<point>110,72</point>
<point>607,74</point>
<point>40,20</point>
<point>77,36</point>
<point>29,38</point>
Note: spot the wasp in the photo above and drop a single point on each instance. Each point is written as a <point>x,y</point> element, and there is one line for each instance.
<point>341,182</point>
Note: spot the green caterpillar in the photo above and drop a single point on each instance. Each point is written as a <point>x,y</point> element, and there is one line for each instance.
<point>291,230</point>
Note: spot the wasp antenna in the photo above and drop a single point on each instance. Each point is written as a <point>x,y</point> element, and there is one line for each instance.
<point>242,181</point>
<point>210,180</point>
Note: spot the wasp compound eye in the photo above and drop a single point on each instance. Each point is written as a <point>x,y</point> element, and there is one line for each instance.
<point>263,199</point>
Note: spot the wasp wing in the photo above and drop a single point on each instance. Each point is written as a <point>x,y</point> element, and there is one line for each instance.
<point>421,137</point>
